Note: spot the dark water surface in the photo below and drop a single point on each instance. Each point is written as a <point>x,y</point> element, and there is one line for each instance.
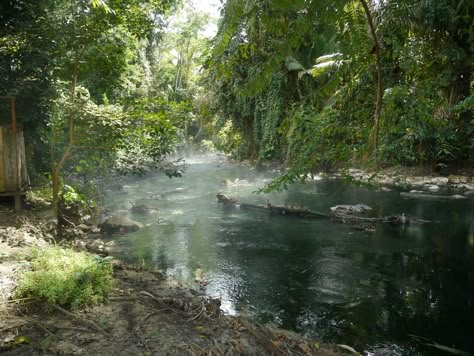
<point>370,291</point>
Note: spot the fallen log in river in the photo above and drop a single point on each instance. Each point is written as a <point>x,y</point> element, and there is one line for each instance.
<point>431,197</point>
<point>346,214</point>
<point>277,209</point>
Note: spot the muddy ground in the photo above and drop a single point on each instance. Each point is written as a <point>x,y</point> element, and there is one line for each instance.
<point>147,314</point>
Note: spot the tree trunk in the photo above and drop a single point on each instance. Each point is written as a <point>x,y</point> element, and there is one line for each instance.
<point>378,103</point>
<point>57,168</point>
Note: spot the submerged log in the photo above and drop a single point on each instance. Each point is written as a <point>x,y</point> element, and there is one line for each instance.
<point>427,196</point>
<point>176,191</point>
<point>226,200</point>
<point>395,220</point>
<point>346,214</point>
<point>277,209</point>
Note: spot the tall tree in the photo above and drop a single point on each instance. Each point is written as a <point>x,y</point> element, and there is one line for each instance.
<point>296,81</point>
<point>74,41</point>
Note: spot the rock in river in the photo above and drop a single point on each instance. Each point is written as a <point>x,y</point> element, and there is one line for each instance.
<point>348,209</point>
<point>119,223</point>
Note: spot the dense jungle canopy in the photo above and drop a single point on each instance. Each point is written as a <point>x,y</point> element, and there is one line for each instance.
<point>118,85</point>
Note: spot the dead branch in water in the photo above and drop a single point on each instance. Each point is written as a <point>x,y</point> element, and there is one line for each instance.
<point>277,209</point>
<point>340,215</point>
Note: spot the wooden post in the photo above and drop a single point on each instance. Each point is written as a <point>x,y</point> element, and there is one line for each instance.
<point>11,167</point>
<point>17,149</point>
<point>12,103</point>
<point>18,199</point>
<point>2,169</point>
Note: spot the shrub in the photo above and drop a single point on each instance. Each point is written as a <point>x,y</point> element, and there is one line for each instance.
<point>66,278</point>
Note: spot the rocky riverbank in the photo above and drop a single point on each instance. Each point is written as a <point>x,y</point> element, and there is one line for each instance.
<point>406,178</point>
<point>460,180</point>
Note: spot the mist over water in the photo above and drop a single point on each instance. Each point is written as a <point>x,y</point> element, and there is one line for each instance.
<point>313,276</point>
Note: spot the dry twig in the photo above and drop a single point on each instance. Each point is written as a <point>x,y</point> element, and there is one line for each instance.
<point>40,325</point>
<point>88,322</point>
<point>154,313</point>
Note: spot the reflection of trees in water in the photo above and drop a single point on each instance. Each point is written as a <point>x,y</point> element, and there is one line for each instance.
<point>274,283</point>
<point>154,252</point>
<point>426,292</point>
<point>429,293</point>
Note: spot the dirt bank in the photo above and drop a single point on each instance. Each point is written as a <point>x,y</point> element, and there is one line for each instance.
<point>147,314</point>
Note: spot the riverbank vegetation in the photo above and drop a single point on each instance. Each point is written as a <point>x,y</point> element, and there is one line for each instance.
<point>63,277</point>
<point>117,86</point>
<point>99,88</point>
<point>324,84</point>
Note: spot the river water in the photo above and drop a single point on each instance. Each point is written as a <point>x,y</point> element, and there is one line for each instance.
<point>376,292</point>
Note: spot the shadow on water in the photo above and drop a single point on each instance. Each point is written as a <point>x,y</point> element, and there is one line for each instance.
<point>371,291</point>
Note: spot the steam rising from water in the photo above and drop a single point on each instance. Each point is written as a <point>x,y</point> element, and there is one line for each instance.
<point>309,275</point>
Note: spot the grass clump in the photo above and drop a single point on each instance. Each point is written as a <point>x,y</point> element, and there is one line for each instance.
<point>66,278</point>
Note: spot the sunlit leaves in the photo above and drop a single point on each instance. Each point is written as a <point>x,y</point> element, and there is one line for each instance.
<point>100,4</point>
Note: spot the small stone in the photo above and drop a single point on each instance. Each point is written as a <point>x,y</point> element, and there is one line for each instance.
<point>118,223</point>
<point>453,179</point>
<point>415,181</point>
<point>83,227</point>
<point>64,347</point>
<point>433,188</point>
<point>440,180</point>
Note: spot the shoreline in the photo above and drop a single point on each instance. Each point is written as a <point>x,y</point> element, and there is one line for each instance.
<point>401,178</point>
<point>146,312</point>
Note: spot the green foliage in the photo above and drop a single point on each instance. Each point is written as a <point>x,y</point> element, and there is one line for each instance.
<point>414,132</point>
<point>290,80</point>
<point>258,69</point>
<point>41,45</point>
<point>66,278</point>
<point>268,111</point>
<point>40,197</point>
<point>71,197</point>
<point>152,131</point>
<point>227,139</point>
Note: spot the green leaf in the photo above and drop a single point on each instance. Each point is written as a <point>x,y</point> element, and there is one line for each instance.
<point>293,65</point>
<point>21,340</point>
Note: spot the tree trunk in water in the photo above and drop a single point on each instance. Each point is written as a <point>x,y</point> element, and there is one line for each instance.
<point>277,209</point>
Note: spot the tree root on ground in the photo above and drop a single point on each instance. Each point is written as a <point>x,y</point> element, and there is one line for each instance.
<point>90,323</point>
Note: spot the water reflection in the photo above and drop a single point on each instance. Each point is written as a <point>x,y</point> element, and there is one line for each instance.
<point>314,276</point>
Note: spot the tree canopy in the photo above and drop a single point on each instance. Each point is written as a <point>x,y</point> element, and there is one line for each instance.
<point>118,85</point>
<point>299,80</point>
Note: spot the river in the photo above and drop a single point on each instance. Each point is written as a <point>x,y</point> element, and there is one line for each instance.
<point>377,291</point>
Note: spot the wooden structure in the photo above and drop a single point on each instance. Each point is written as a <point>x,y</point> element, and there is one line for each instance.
<point>13,172</point>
